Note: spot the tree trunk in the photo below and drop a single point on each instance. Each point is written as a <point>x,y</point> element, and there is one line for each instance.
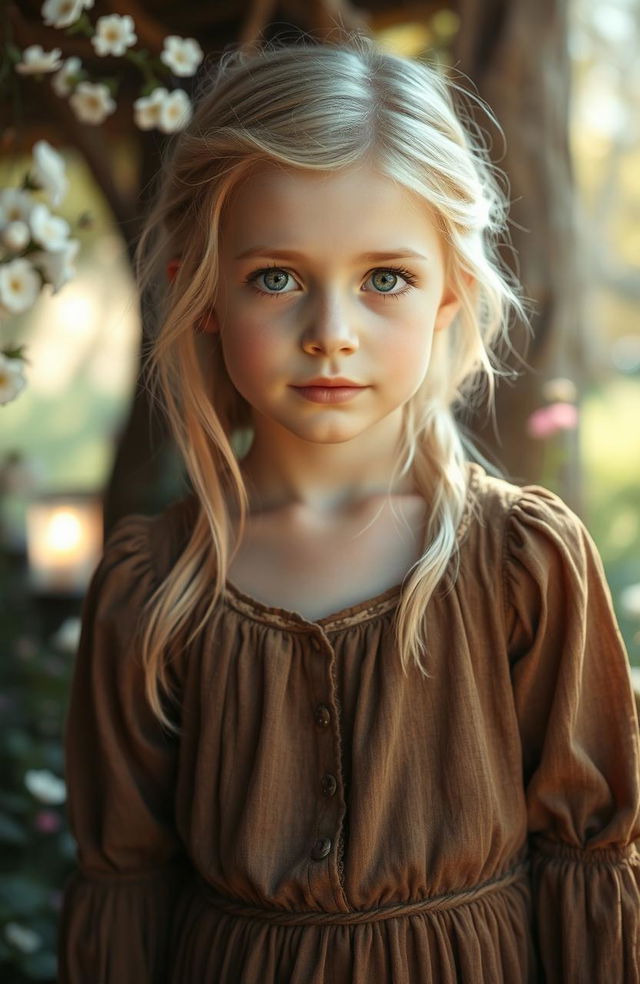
<point>516,53</point>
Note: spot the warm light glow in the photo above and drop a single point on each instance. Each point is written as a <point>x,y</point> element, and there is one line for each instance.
<point>65,533</point>
<point>64,542</point>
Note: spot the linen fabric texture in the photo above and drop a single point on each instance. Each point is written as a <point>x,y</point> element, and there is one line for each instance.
<point>323,817</point>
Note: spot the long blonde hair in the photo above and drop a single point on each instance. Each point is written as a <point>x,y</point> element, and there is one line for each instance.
<point>322,107</point>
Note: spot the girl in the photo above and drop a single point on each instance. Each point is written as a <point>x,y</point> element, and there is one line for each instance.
<point>352,710</point>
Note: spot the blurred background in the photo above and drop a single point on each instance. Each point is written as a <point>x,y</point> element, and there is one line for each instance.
<point>563,79</point>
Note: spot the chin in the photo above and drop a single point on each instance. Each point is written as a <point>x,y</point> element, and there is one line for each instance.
<point>330,435</point>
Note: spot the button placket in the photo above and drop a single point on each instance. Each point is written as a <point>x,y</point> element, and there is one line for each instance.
<point>322,716</point>
<point>328,784</point>
<point>321,848</point>
<point>329,806</point>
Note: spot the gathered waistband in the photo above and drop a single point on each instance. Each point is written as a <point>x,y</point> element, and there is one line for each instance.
<point>437,903</point>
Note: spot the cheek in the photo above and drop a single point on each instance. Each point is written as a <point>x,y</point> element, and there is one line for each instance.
<point>408,354</point>
<point>249,346</point>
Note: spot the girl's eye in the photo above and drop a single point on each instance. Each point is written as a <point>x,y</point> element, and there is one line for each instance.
<point>271,281</point>
<point>386,279</point>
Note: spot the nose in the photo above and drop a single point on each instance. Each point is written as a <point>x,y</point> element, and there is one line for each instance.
<point>328,328</point>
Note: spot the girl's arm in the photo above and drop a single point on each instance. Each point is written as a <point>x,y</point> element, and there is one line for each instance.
<point>120,770</point>
<point>580,742</point>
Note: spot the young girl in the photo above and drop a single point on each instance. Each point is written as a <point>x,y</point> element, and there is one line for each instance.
<point>352,710</point>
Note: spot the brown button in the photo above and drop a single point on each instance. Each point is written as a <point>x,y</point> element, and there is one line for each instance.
<point>328,784</point>
<point>322,714</point>
<point>321,848</point>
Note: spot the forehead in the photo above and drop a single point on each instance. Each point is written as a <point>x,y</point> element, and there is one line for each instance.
<point>351,211</point>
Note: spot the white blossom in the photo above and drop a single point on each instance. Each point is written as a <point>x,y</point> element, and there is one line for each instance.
<point>48,230</point>
<point>62,82</point>
<point>46,787</point>
<point>114,34</point>
<point>181,55</point>
<point>67,635</point>
<point>19,285</point>
<point>48,171</point>
<point>57,268</point>
<point>630,601</point>
<point>23,938</point>
<point>63,13</point>
<point>15,205</point>
<point>35,61</point>
<point>168,111</point>
<point>92,102</point>
<point>16,235</point>
<point>175,111</point>
<point>12,379</point>
<point>146,110</point>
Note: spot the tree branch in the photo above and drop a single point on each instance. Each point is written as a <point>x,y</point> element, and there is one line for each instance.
<point>256,20</point>
<point>328,18</point>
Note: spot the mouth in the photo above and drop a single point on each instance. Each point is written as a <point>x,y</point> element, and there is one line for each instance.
<point>328,394</point>
<point>328,382</point>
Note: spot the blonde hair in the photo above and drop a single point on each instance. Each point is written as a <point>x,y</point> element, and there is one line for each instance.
<point>321,107</point>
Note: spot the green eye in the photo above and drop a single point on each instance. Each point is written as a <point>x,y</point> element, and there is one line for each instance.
<point>384,280</point>
<point>275,279</point>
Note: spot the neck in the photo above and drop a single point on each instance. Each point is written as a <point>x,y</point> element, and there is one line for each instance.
<point>282,471</point>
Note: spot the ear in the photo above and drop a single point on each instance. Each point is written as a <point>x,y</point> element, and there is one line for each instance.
<point>449,305</point>
<point>209,323</point>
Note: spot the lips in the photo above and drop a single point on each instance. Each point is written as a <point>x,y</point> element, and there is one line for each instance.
<point>329,394</point>
<point>329,382</point>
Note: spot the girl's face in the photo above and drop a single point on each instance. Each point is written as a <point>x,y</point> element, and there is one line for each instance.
<point>328,274</point>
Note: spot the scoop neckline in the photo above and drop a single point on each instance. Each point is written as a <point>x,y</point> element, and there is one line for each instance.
<point>360,611</point>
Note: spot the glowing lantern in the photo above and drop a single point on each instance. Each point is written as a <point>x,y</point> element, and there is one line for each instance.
<point>64,542</point>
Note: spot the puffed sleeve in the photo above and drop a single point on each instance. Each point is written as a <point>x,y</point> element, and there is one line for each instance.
<point>120,770</point>
<point>580,744</point>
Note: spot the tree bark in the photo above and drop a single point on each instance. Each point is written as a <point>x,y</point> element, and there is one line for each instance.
<point>516,53</point>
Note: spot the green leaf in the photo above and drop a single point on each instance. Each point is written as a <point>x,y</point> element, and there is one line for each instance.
<point>82,26</point>
<point>41,965</point>
<point>11,832</point>
<point>13,53</point>
<point>24,895</point>
<point>15,802</point>
<point>14,353</point>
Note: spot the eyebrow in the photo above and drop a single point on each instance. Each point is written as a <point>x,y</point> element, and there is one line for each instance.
<point>402,252</point>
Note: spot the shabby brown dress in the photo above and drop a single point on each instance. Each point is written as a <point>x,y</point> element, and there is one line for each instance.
<point>323,817</point>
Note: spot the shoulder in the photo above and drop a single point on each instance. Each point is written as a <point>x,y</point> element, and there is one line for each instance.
<point>528,531</point>
<point>541,544</point>
<point>155,540</point>
<point>547,559</point>
<point>511,510</point>
<point>138,552</point>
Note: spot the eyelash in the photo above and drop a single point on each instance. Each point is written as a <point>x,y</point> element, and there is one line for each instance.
<point>400,271</point>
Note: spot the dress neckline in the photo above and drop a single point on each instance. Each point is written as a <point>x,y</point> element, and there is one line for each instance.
<point>361,611</point>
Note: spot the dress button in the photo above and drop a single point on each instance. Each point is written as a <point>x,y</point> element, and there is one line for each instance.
<point>322,715</point>
<point>321,848</point>
<point>328,784</point>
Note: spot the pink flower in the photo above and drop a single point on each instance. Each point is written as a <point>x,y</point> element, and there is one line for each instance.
<point>55,900</point>
<point>47,821</point>
<point>550,419</point>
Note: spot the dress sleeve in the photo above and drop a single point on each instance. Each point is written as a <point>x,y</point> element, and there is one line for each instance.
<point>120,767</point>
<point>580,744</point>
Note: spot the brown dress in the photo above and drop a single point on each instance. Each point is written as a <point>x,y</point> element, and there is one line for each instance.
<point>326,818</point>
